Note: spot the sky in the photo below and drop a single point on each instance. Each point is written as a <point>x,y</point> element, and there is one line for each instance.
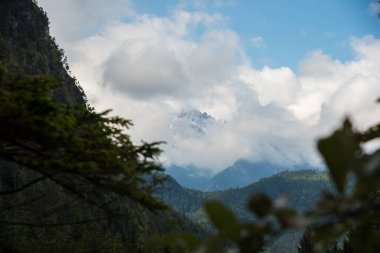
<point>222,80</point>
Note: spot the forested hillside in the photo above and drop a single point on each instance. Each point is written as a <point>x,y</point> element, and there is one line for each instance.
<point>300,189</point>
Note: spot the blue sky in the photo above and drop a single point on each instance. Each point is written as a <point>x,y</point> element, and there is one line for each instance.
<point>273,76</point>
<point>289,29</point>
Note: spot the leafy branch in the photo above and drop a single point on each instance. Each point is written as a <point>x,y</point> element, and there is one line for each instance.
<point>88,154</point>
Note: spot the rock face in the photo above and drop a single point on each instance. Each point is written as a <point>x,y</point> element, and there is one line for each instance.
<point>26,47</point>
<point>191,124</point>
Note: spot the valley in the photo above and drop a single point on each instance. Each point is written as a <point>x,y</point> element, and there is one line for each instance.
<point>300,189</point>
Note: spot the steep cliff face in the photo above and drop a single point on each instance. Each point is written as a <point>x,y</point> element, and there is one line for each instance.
<point>27,47</point>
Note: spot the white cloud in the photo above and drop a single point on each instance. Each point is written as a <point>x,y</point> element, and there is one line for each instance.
<point>144,69</point>
<point>258,42</point>
<point>72,20</point>
<point>152,68</point>
<point>271,85</point>
<point>155,56</point>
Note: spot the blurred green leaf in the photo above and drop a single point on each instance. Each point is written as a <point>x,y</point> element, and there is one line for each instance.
<point>341,152</point>
<point>287,217</point>
<point>219,215</point>
<point>179,242</point>
<point>260,204</point>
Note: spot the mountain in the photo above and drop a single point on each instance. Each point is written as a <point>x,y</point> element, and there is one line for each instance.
<point>181,199</point>
<point>240,174</point>
<point>191,124</point>
<point>27,47</point>
<point>189,176</point>
<point>301,188</point>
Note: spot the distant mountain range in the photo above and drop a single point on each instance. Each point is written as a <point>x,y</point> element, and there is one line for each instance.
<point>240,174</point>
<point>191,124</point>
<point>301,188</point>
<point>190,176</point>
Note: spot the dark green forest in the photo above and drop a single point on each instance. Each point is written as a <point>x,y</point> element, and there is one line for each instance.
<point>71,180</point>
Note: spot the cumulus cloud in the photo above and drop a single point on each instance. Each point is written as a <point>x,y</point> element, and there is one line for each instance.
<point>153,69</point>
<point>154,56</point>
<point>144,71</point>
<point>72,20</point>
<point>271,85</point>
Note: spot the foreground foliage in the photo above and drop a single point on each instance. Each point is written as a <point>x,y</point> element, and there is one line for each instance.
<point>87,154</point>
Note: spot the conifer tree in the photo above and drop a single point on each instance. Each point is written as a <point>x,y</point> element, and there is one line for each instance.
<point>87,154</point>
